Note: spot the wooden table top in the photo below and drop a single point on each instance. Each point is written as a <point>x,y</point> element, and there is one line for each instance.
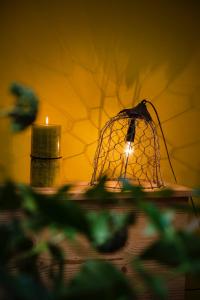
<point>78,189</point>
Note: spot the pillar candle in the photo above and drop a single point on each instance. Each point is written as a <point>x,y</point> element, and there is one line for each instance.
<point>45,154</point>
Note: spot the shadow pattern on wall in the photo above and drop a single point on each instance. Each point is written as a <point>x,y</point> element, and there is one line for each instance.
<point>88,61</point>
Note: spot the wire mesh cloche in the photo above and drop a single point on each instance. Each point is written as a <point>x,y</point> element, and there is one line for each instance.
<point>128,148</point>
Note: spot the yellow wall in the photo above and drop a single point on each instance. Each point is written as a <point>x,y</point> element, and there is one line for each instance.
<point>88,59</point>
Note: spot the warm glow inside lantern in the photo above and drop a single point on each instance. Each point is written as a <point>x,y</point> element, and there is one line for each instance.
<point>128,148</point>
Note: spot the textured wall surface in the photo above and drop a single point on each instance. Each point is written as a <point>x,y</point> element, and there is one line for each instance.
<point>87,60</point>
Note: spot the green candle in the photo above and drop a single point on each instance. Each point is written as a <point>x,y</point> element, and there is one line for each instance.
<point>45,154</point>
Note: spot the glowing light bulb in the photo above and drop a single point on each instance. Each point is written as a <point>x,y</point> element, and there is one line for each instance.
<point>129,148</point>
<point>47,120</point>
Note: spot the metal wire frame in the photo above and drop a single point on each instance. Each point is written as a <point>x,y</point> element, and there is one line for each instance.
<point>142,166</point>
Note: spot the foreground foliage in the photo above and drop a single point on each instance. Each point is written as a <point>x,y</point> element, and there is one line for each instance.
<point>31,213</point>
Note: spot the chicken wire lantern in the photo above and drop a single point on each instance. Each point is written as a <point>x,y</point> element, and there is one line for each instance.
<point>128,148</point>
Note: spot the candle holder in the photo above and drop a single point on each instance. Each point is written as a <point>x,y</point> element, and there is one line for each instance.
<point>45,155</point>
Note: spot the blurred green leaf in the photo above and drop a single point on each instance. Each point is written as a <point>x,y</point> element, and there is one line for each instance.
<point>9,198</point>
<point>23,287</point>
<point>99,227</point>
<point>57,274</point>
<point>99,192</point>
<point>164,226</point>
<point>54,210</point>
<point>28,203</point>
<point>100,280</point>
<point>13,241</point>
<point>181,252</point>
<point>115,243</point>
<point>26,107</point>
<point>109,231</point>
<point>155,283</point>
<point>161,221</point>
<point>136,191</point>
<point>163,251</point>
<point>62,192</point>
<point>196,192</point>
<point>164,192</point>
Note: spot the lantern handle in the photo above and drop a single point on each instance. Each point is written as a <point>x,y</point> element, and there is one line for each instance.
<point>163,136</point>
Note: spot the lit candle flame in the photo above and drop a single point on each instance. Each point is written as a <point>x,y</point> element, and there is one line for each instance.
<point>129,149</point>
<point>47,120</point>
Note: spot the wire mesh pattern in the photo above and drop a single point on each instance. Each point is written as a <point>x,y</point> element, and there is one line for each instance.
<point>118,159</point>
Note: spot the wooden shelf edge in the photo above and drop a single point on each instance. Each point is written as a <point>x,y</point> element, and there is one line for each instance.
<point>78,190</point>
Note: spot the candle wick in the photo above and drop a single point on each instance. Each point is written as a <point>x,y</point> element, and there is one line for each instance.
<point>47,120</point>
